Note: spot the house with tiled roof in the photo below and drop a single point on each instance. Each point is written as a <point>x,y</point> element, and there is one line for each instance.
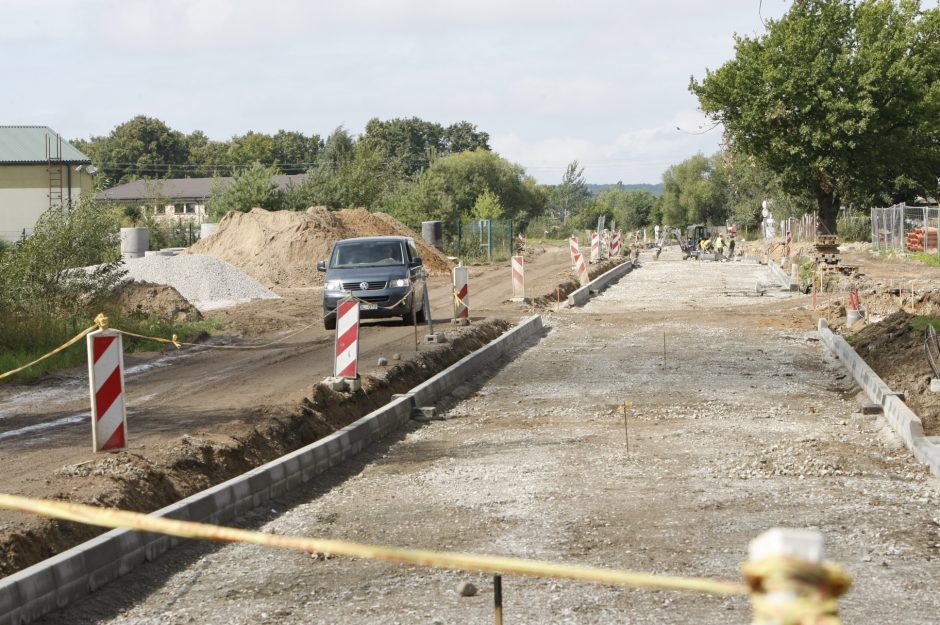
<point>38,170</point>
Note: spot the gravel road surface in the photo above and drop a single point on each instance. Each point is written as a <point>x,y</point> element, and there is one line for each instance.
<point>748,425</point>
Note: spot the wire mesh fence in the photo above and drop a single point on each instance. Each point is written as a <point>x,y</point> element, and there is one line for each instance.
<point>903,228</point>
<point>482,240</point>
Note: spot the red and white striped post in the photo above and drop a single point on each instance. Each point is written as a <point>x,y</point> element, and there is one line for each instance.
<point>346,358</point>
<point>605,244</point>
<point>518,279</point>
<point>106,383</point>
<point>615,245</point>
<point>573,249</point>
<point>461,295</point>
<point>595,247</point>
<point>789,239</point>
<point>581,268</point>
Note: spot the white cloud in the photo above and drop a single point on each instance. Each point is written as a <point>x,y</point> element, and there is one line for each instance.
<point>638,155</point>
<point>601,81</point>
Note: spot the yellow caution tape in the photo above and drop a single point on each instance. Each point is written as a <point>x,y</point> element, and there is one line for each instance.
<point>66,345</point>
<point>107,517</point>
<point>458,300</point>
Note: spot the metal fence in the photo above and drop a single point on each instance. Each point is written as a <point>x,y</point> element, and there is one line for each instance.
<point>903,228</point>
<point>482,240</point>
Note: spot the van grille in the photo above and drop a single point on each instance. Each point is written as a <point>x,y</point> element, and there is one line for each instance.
<point>371,286</point>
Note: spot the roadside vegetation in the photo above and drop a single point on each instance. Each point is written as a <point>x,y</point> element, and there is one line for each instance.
<point>46,298</point>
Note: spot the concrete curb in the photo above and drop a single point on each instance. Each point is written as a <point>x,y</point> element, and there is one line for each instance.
<point>601,282</point>
<point>54,583</point>
<point>902,419</point>
<point>782,277</point>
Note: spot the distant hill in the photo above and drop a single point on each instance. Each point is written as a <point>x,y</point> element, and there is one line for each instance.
<point>655,189</point>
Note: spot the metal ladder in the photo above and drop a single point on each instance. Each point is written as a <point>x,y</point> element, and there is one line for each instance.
<point>55,169</point>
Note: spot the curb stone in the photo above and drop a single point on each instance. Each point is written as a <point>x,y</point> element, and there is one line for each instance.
<point>782,277</point>
<point>55,582</point>
<point>582,295</point>
<point>903,420</point>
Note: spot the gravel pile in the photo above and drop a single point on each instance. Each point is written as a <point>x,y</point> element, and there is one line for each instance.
<point>206,281</point>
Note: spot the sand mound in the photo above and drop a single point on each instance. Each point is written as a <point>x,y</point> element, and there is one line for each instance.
<point>281,248</point>
<point>146,298</point>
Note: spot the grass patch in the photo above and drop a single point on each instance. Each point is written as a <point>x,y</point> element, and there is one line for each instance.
<point>920,323</point>
<point>24,340</point>
<point>931,260</point>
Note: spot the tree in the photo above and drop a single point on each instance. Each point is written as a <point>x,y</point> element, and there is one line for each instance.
<point>631,209</point>
<point>408,144</point>
<point>464,137</point>
<point>450,188</point>
<point>206,157</point>
<point>692,194</point>
<point>838,99</point>
<point>570,196</point>
<point>348,176</point>
<point>294,152</point>
<point>143,147</point>
<point>746,183</point>
<point>252,187</point>
<point>487,206</point>
<point>253,147</point>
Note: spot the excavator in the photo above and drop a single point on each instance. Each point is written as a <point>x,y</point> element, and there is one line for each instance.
<point>689,244</point>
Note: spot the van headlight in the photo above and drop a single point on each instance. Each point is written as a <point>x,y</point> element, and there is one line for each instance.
<point>402,282</point>
<point>334,285</point>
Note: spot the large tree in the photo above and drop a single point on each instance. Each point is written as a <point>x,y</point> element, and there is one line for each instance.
<point>839,99</point>
<point>692,193</point>
<point>143,147</point>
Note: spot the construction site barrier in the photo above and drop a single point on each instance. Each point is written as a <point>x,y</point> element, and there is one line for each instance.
<point>106,385</point>
<point>54,583</point>
<point>595,247</point>
<point>518,278</point>
<point>615,245</point>
<point>573,249</point>
<point>902,419</point>
<point>346,352</point>
<point>461,293</point>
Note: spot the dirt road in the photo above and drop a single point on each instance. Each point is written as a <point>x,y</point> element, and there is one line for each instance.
<point>212,395</point>
<point>748,424</point>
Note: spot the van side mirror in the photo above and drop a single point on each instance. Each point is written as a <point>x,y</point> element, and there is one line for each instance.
<point>416,261</point>
<point>321,265</point>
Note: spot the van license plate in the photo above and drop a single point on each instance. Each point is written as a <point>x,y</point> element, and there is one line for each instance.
<point>368,306</point>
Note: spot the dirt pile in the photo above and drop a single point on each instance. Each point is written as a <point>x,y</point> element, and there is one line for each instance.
<point>281,248</point>
<point>137,299</point>
<point>894,348</point>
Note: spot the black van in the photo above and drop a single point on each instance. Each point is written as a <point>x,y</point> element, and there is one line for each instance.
<point>385,274</point>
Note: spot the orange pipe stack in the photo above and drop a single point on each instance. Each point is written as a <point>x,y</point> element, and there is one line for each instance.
<point>917,238</point>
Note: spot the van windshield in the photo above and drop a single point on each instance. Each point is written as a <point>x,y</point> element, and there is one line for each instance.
<point>367,254</point>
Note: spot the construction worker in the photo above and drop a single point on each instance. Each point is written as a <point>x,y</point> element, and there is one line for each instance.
<point>719,246</point>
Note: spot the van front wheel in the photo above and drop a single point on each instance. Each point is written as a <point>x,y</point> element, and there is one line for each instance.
<point>329,321</point>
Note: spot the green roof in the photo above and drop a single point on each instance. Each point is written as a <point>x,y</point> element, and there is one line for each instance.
<point>27,144</point>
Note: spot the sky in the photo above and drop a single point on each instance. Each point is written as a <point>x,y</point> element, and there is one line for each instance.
<point>603,82</point>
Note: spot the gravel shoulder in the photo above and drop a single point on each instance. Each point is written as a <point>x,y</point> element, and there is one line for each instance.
<point>749,425</point>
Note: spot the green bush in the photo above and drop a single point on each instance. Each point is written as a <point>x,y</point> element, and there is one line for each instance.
<point>42,273</point>
<point>854,227</point>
